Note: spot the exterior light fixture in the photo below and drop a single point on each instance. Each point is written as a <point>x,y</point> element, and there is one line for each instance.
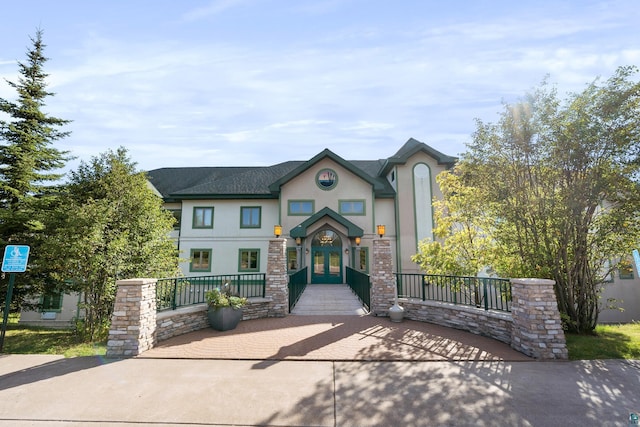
<point>380,230</point>
<point>346,251</point>
<point>358,240</point>
<point>298,241</point>
<point>277,230</point>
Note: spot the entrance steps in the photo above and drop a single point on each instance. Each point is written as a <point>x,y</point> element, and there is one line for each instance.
<point>328,300</point>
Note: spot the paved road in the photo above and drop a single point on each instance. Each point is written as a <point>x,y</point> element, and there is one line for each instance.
<point>52,391</point>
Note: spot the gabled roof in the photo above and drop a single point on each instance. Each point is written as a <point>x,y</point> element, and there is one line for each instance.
<point>264,182</point>
<point>301,229</point>
<point>218,182</point>
<point>413,146</point>
<point>378,186</point>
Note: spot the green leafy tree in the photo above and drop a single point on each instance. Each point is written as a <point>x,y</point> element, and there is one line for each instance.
<point>462,247</point>
<point>28,164</point>
<point>559,185</point>
<point>109,225</point>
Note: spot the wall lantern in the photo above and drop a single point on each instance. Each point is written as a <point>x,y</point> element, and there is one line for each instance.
<point>380,230</point>
<point>298,241</point>
<point>358,240</point>
<point>346,251</point>
<point>277,230</point>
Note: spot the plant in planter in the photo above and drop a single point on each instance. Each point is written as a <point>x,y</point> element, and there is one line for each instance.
<point>225,309</point>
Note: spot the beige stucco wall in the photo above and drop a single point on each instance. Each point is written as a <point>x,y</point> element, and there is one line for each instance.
<point>406,215</point>
<point>627,295</point>
<point>304,187</point>
<point>226,237</point>
<point>54,319</point>
<point>349,187</point>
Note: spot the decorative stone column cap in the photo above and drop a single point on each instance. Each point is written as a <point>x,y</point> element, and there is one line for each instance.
<point>531,281</point>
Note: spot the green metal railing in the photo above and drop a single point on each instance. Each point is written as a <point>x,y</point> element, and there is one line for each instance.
<point>182,291</point>
<point>361,285</point>
<point>297,285</point>
<point>484,292</point>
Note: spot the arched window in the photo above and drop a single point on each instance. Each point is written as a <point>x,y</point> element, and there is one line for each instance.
<point>326,238</point>
<point>422,195</point>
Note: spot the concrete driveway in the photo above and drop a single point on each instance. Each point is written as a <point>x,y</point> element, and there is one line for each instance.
<point>319,371</point>
<point>90,391</point>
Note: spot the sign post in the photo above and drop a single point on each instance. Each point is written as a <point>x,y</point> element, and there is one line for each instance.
<point>14,261</point>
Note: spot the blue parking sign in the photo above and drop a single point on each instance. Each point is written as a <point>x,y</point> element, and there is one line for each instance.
<point>15,259</point>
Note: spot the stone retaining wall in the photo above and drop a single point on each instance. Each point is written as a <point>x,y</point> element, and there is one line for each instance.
<point>493,324</point>
<point>171,323</point>
<point>183,320</point>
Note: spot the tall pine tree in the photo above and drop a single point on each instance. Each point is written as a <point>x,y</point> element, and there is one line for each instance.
<point>28,160</point>
<point>28,163</point>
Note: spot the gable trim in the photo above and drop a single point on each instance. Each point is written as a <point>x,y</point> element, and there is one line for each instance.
<point>326,153</point>
<point>413,146</point>
<point>300,230</point>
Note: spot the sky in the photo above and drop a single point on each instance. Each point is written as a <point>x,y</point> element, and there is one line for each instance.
<point>259,82</point>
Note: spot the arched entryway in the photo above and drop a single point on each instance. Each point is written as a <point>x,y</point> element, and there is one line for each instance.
<point>326,257</point>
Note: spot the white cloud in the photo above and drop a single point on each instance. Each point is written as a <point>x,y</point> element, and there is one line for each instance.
<point>354,85</point>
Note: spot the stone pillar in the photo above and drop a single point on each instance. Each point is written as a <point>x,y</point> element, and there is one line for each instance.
<point>383,281</point>
<point>133,323</point>
<point>277,286</point>
<point>537,327</point>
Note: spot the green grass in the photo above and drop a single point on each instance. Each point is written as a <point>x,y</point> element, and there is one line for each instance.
<point>37,340</point>
<point>608,342</point>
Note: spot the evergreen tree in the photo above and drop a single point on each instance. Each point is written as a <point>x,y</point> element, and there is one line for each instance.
<point>28,162</point>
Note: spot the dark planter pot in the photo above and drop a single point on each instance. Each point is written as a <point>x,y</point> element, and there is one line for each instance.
<point>224,318</point>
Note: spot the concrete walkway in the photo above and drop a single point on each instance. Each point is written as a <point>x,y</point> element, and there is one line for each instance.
<point>90,391</point>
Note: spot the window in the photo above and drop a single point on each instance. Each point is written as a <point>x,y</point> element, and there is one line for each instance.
<point>327,179</point>
<point>360,259</point>
<point>625,269</point>
<point>200,260</point>
<point>300,207</point>
<point>202,217</point>
<point>249,260</point>
<point>177,214</point>
<point>250,216</point>
<point>292,259</point>
<point>52,302</point>
<point>351,207</point>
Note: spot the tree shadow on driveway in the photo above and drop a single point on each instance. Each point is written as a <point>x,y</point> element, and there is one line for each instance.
<point>333,338</point>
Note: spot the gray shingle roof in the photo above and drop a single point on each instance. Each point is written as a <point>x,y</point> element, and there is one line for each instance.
<point>255,182</point>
